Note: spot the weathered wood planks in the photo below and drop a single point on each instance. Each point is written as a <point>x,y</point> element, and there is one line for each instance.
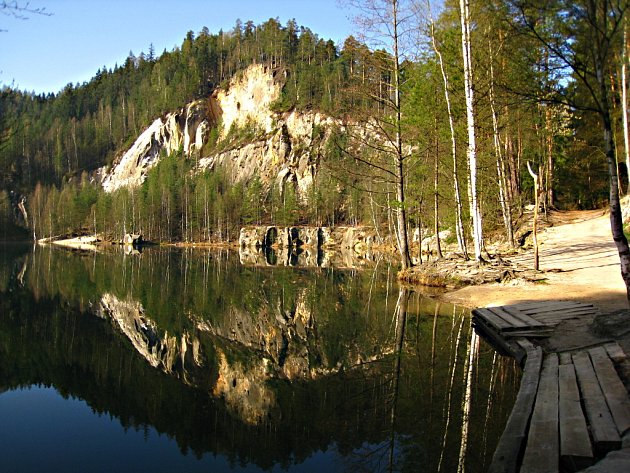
<point>572,407</point>
<point>505,322</point>
<point>576,452</point>
<point>603,429</point>
<point>542,451</point>
<point>615,352</point>
<point>613,389</point>
<point>505,459</point>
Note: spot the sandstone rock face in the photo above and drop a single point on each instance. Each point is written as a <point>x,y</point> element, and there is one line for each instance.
<point>356,238</point>
<point>285,151</point>
<point>248,98</point>
<point>287,237</point>
<point>310,237</point>
<point>132,239</point>
<point>252,237</point>
<point>344,247</point>
<point>288,154</point>
<point>184,128</point>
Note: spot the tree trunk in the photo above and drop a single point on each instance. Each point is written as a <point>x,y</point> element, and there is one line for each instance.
<point>459,225</point>
<point>471,152</point>
<point>616,218</point>
<point>400,316</point>
<point>401,220</point>
<point>436,200</point>
<point>506,209</point>
<point>535,221</point>
<point>624,104</point>
<point>549,195</point>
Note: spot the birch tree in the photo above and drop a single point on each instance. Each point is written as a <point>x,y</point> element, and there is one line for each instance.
<point>504,200</point>
<point>459,225</point>
<point>624,98</point>
<point>471,152</point>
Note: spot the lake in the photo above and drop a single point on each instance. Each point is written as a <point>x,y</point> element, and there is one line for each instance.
<point>188,360</point>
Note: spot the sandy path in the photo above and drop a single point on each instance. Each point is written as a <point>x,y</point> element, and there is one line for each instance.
<point>579,261</point>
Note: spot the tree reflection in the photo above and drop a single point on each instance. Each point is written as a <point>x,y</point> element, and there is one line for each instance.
<point>268,366</point>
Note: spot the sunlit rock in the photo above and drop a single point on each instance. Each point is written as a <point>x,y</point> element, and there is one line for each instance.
<point>252,237</point>
<point>284,150</point>
<point>244,389</point>
<point>183,128</point>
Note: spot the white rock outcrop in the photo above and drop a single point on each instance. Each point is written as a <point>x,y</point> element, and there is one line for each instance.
<point>286,147</point>
<point>185,128</point>
<point>249,97</point>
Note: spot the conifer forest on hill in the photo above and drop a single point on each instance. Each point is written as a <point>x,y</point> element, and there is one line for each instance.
<point>539,98</point>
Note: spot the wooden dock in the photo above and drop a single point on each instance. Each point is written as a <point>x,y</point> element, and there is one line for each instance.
<point>572,407</point>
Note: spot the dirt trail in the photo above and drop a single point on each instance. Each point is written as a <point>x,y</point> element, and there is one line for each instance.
<point>578,260</point>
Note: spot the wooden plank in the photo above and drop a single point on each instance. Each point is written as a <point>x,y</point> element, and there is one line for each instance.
<point>533,312</point>
<point>565,358</point>
<point>613,389</point>
<point>565,314</point>
<point>562,312</point>
<point>526,344</point>
<point>529,333</point>
<point>603,428</point>
<point>542,453</point>
<point>554,321</point>
<point>522,347</point>
<point>491,319</point>
<point>529,305</point>
<point>500,344</point>
<point>522,316</point>
<point>576,452</point>
<point>509,318</point>
<point>534,304</point>
<point>505,458</point>
<point>615,352</point>
<point>562,315</point>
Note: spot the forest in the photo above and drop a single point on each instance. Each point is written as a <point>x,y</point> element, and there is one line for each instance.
<point>443,113</point>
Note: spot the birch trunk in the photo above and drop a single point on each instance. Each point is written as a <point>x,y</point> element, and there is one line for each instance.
<point>624,103</point>
<point>471,152</point>
<point>459,225</point>
<point>616,218</point>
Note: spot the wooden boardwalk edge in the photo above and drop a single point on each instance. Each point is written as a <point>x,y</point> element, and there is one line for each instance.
<point>572,407</point>
<point>507,455</point>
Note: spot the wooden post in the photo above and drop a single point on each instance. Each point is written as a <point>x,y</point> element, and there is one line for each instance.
<point>535,223</point>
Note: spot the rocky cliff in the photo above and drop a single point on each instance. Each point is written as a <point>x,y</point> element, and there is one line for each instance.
<point>282,147</point>
<point>187,128</point>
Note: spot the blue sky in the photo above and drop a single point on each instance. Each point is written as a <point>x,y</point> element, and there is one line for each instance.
<point>44,53</point>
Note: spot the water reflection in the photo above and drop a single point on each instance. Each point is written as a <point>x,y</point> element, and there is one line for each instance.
<point>267,366</point>
<point>306,257</point>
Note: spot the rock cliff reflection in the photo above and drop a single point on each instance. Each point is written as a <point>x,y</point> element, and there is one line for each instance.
<point>265,366</point>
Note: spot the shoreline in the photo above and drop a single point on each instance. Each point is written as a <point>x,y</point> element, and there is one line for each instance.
<point>578,261</point>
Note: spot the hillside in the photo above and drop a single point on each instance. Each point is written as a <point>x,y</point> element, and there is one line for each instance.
<point>271,125</point>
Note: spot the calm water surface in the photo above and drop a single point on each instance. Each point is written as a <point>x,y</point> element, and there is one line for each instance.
<point>175,360</point>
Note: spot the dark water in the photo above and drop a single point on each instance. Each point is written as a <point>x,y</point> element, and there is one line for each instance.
<point>178,360</point>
